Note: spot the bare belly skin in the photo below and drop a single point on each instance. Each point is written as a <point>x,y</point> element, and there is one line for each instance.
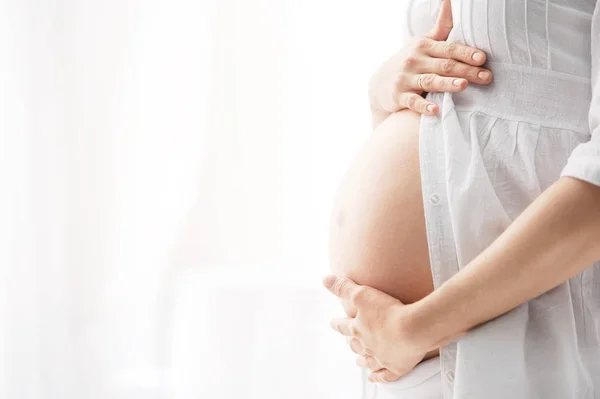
<point>377,231</point>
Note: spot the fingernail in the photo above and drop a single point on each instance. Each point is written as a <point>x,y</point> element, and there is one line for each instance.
<point>430,107</point>
<point>457,82</point>
<point>478,57</point>
<point>484,75</point>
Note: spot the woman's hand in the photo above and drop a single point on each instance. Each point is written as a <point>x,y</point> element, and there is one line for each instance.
<point>381,331</point>
<point>426,64</point>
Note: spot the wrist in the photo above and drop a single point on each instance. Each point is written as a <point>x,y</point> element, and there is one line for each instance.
<point>417,329</point>
<point>430,326</point>
<point>376,108</point>
<point>378,116</point>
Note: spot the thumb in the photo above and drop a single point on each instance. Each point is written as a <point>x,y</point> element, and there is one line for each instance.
<point>344,288</point>
<point>341,287</point>
<point>443,25</point>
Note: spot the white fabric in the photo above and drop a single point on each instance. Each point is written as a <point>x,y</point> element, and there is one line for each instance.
<point>423,382</point>
<point>166,174</point>
<point>489,154</point>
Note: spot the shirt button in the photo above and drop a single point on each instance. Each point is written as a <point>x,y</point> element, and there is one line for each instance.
<point>434,199</point>
<point>450,376</point>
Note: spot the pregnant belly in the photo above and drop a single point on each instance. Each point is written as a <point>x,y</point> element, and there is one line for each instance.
<point>377,231</point>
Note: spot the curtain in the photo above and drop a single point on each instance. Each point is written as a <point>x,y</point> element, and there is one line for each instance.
<point>167,170</point>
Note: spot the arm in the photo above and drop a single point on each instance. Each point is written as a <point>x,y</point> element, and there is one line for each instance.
<point>555,238</point>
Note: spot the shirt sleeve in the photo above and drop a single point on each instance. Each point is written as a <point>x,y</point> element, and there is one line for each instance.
<point>584,161</point>
<point>420,17</point>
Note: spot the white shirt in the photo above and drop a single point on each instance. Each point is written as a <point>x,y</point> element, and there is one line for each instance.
<point>493,150</point>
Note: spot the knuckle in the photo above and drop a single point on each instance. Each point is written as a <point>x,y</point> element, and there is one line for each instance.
<point>428,81</point>
<point>473,73</point>
<point>359,293</point>
<point>437,84</point>
<point>450,49</point>
<point>337,328</point>
<point>466,53</point>
<point>463,72</point>
<point>418,104</point>
<point>448,66</point>
<point>412,101</point>
<point>446,84</point>
<point>399,81</point>
<point>421,43</point>
<point>340,285</point>
<point>408,62</point>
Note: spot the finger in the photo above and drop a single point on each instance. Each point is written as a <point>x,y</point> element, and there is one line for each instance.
<point>368,362</point>
<point>355,345</point>
<point>456,51</point>
<point>430,82</point>
<point>417,103</point>
<point>341,287</point>
<point>383,375</point>
<point>443,24</point>
<point>349,308</point>
<point>457,69</point>
<point>344,326</point>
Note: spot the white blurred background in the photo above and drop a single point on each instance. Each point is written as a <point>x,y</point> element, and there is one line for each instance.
<point>166,173</point>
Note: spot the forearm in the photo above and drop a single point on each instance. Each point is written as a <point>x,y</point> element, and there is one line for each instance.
<point>555,238</point>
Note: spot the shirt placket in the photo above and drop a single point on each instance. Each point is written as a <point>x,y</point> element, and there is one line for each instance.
<point>442,251</point>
